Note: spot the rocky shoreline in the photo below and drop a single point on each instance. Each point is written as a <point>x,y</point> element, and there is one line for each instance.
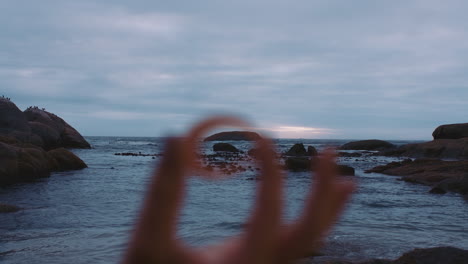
<point>34,142</point>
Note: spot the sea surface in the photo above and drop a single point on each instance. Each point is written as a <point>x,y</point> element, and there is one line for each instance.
<point>85,216</point>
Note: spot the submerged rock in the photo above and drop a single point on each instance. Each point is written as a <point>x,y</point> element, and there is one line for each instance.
<point>7,208</point>
<point>224,147</point>
<point>371,144</point>
<point>234,135</point>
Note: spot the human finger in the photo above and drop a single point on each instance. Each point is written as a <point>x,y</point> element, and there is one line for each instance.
<point>263,229</point>
<point>156,227</point>
<point>322,207</point>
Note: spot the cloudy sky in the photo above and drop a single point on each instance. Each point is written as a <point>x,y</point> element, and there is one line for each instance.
<point>311,69</point>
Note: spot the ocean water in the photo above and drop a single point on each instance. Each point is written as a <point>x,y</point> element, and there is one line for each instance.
<point>85,216</point>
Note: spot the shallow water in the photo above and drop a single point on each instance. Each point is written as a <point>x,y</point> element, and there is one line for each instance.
<point>85,216</point>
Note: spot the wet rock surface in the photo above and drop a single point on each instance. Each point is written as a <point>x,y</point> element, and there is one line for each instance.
<point>224,147</point>
<point>442,175</point>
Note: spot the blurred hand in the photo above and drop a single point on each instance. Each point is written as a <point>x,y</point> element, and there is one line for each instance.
<point>265,240</point>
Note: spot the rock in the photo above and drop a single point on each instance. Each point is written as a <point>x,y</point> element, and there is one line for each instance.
<point>11,118</point>
<point>297,150</point>
<point>437,190</point>
<point>7,208</point>
<point>224,147</point>
<point>22,164</point>
<point>439,148</point>
<point>298,164</point>
<point>23,138</point>
<point>49,136</point>
<point>437,255</point>
<point>372,144</point>
<point>66,160</point>
<point>445,175</point>
<point>38,127</point>
<point>311,151</point>
<point>451,131</point>
<point>346,170</point>
<point>234,135</point>
<point>44,123</point>
<point>456,184</point>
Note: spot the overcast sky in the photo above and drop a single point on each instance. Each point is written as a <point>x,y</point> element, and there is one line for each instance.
<point>311,69</point>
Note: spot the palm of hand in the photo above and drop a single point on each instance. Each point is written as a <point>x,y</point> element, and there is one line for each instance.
<point>265,240</point>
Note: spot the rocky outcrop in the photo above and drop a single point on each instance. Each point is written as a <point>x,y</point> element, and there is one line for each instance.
<point>53,130</point>
<point>298,164</point>
<point>439,148</point>
<point>311,151</point>
<point>224,147</point>
<point>234,135</point>
<point>25,138</point>
<point>297,150</point>
<point>371,144</point>
<point>28,164</point>
<point>443,175</point>
<point>38,127</point>
<point>451,131</point>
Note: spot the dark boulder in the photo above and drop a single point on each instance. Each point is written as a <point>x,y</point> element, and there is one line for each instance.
<point>224,147</point>
<point>451,131</point>
<point>234,135</point>
<point>22,164</point>
<point>346,170</point>
<point>298,164</point>
<point>311,151</point>
<point>66,160</point>
<point>371,144</point>
<point>297,150</point>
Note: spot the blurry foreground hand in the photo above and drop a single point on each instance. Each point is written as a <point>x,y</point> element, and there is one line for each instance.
<point>266,239</point>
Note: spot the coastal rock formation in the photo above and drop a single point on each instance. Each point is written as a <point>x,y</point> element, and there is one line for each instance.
<point>38,127</point>
<point>297,150</point>
<point>371,144</point>
<point>443,175</point>
<point>28,164</point>
<point>312,151</point>
<point>224,147</point>
<point>53,130</point>
<point>451,131</point>
<point>298,164</point>
<point>439,148</point>
<point>234,135</point>
<point>25,138</point>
